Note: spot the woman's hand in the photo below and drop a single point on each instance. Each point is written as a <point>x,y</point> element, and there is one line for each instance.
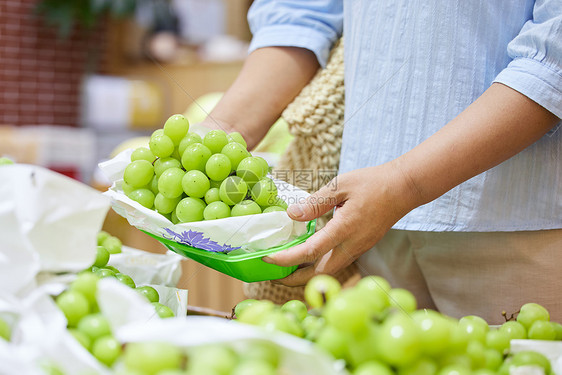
<point>368,202</point>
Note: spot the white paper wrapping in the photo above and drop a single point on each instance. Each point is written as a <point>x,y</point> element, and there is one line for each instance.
<point>48,222</point>
<point>251,233</point>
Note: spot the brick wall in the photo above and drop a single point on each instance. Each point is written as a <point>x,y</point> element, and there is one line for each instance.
<point>40,75</point>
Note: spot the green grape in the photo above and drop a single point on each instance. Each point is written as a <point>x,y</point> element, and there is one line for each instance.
<point>144,197</point>
<point>157,132</point>
<point>235,152</point>
<point>476,352</point>
<point>398,340</point>
<point>273,209</point>
<point>161,145</point>
<point>189,139</point>
<point>165,205</point>
<point>262,351</point>
<point>163,311</point>
<point>216,210</point>
<point>254,367</point>
<point>154,185</point>
<point>264,164</point>
<point>360,346</point>
<point>150,358</point>
<point>296,308</point>
<point>347,312</point>
<point>375,291</point>
<point>541,330</point>
<point>423,366</point>
<point>102,256</point>
<point>170,183</point>
<point>115,270</point>
<point>126,280</point>
<point>149,293</point>
<point>525,358</point>
<point>320,289</point>
<point>102,235</point>
<point>281,203</point>
<point>530,313</point>
<point>212,195</point>
<point>452,359</point>
<point>74,306</point>
<point>557,330</point>
<point>174,218</point>
<point>106,350</point>
<point>253,313</point>
<point>402,299</point>
<point>264,192</point>
<point>233,190</point>
<point>195,156</point>
<point>176,154</point>
<point>94,326</point>
<point>251,170</point>
<point>333,341</point>
<point>455,370</point>
<point>244,208</point>
<point>483,371</point>
<point>242,305</point>
<point>138,173</point>
<point>81,337</point>
<point>5,330</point>
<point>218,167</point>
<point>498,340</point>
<point>514,330</point>
<point>195,184</point>
<point>176,127</point>
<point>214,359</point>
<point>189,210</point>
<point>475,327</point>
<point>112,244</point>
<point>215,140</point>
<point>374,368</point>
<point>279,321</point>
<point>143,153</point>
<point>6,161</point>
<point>459,337</point>
<point>160,165</point>
<point>435,331</point>
<point>104,272</point>
<point>237,137</point>
<point>492,359</point>
<point>215,184</point>
<point>312,326</point>
<point>86,284</point>
<point>48,368</point>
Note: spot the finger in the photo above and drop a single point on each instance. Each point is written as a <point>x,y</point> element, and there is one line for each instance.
<point>314,247</point>
<point>298,278</point>
<point>336,260</point>
<point>316,204</point>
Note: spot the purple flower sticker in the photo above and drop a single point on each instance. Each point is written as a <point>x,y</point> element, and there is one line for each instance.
<point>196,239</point>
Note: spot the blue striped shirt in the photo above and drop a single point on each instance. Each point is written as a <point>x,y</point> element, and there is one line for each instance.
<point>411,66</point>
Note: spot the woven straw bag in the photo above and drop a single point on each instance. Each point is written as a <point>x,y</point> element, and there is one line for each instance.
<point>315,118</point>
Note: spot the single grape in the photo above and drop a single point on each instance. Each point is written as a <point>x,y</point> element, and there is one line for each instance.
<point>5,330</point>
<point>398,340</point>
<point>144,197</point>
<point>402,299</point>
<point>138,173</point>
<point>189,210</point>
<point>106,350</point>
<point>255,312</point>
<point>154,185</point>
<point>435,331</point>
<point>498,340</point>
<point>163,311</point>
<point>112,244</point>
<point>250,170</point>
<point>94,326</point>
<point>333,341</point>
<point>476,352</point>
<point>235,152</point>
<point>174,218</point>
<point>189,139</point>
<point>176,127</point>
<point>216,210</point>
<point>320,289</point>
<point>165,205</point>
<point>264,192</point>
<point>195,156</point>
<point>218,167</point>
<point>74,306</point>
<point>86,284</point>
<point>143,153</point>
<point>237,137</point>
<point>150,358</point>
<point>195,184</point>
<point>525,358</point>
<point>161,145</point>
<point>541,330</point>
<point>530,313</point>
<point>281,203</point>
<point>81,337</point>
<point>111,268</point>
<point>557,330</point>
<point>347,312</point>
<point>264,164</point>
<point>6,161</point>
<point>212,195</point>
<point>160,165</point>
<point>170,183</point>
<point>104,272</point>
<point>102,256</point>
<point>279,321</point>
<point>273,209</point>
<point>215,140</point>
<point>514,330</point>
<point>246,207</point>
<point>149,292</point>
<point>296,308</point>
<point>475,327</point>
<point>492,359</point>
<point>375,292</point>
<point>233,190</point>
<point>125,279</point>
<point>243,305</point>
<point>375,368</point>
<point>102,235</point>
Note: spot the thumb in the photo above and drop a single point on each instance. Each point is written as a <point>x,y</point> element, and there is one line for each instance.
<point>316,204</point>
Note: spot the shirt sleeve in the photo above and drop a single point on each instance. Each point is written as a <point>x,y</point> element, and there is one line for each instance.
<point>311,24</point>
<point>536,68</point>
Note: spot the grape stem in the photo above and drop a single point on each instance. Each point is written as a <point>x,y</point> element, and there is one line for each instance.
<point>511,317</point>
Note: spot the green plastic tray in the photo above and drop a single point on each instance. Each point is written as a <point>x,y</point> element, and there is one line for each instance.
<point>246,267</point>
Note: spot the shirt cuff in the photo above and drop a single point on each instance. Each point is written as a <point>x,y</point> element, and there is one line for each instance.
<point>536,81</point>
<point>293,36</point>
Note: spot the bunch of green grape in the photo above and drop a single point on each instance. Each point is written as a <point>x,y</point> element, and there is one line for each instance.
<point>378,330</point>
<point>187,178</point>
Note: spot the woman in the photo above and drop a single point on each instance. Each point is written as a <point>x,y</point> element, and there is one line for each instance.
<point>451,165</point>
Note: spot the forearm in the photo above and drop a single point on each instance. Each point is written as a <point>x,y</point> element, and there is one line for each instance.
<point>269,80</point>
<point>497,126</point>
